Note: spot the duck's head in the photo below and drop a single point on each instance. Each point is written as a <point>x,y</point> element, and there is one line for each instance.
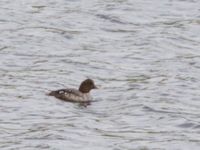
<point>87,85</point>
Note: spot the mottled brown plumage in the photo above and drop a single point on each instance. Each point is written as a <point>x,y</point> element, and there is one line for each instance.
<point>73,95</point>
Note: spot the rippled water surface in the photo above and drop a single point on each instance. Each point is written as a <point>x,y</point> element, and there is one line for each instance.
<point>145,55</point>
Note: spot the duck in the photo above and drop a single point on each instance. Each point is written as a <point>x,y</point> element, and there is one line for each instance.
<point>81,95</point>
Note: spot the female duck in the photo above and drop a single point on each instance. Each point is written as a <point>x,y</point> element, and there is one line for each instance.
<point>72,95</point>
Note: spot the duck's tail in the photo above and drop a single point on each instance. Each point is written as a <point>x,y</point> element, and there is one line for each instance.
<point>52,93</point>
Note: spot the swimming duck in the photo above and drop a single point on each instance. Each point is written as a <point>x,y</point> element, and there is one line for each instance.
<point>81,95</point>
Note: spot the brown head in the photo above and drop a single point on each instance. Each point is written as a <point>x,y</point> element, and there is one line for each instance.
<point>87,85</point>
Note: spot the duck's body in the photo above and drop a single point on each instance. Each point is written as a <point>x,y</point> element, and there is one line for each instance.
<point>72,95</point>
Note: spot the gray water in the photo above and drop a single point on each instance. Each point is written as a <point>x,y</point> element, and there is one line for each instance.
<point>144,55</point>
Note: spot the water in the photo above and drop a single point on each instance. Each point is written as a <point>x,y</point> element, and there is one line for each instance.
<point>144,54</point>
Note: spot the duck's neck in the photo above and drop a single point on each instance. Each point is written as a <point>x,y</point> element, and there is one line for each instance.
<point>84,89</point>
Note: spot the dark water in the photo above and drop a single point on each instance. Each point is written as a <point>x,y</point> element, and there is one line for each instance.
<point>145,55</point>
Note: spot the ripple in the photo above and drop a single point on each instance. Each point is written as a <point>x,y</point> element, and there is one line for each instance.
<point>144,56</point>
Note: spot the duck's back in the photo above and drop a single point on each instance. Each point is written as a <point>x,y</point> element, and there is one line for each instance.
<point>71,95</point>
